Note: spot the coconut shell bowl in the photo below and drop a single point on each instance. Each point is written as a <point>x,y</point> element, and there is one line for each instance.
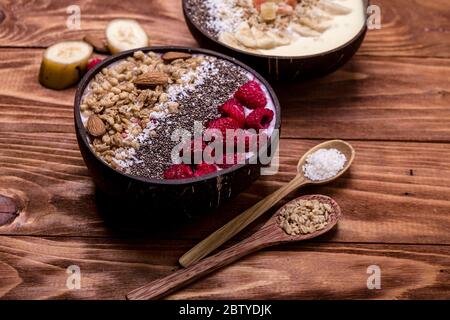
<point>192,195</point>
<point>281,68</point>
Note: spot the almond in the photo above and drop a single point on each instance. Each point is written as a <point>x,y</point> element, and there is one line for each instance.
<point>172,55</point>
<point>151,79</point>
<point>98,42</point>
<point>95,126</point>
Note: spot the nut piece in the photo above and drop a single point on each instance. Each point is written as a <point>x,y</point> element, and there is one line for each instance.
<point>151,79</point>
<point>95,126</point>
<point>171,56</point>
<point>98,42</point>
<point>269,11</point>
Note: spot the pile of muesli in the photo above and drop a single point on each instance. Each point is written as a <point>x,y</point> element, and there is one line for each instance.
<point>132,108</point>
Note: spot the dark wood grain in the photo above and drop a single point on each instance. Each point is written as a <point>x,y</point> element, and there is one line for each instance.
<point>372,98</point>
<point>399,99</point>
<point>270,234</point>
<point>409,28</point>
<point>392,101</point>
<point>8,210</point>
<point>395,193</point>
<point>111,267</point>
<point>42,23</point>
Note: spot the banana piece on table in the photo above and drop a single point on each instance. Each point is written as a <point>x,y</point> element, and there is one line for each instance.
<point>125,34</point>
<point>64,64</point>
<point>333,7</point>
<point>245,36</point>
<point>304,31</point>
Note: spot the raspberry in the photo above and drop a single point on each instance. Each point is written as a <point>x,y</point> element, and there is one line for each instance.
<point>259,119</point>
<point>178,171</point>
<point>251,95</point>
<point>230,160</point>
<point>194,148</point>
<point>223,124</point>
<point>233,109</point>
<point>93,62</point>
<point>204,168</point>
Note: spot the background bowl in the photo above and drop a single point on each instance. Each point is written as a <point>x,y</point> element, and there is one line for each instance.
<point>283,68</point>
<point>178,196</point>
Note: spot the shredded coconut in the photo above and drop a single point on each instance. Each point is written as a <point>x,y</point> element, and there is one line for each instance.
<point>229,15</point>
<point>324,164</point>
<point>175,92</point>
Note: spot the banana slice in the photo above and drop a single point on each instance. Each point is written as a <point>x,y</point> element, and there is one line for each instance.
<point>263,40</point>
<point>333,7</point>
<point>280,38</point>
<point>320,15</point>
<point>245,36</point>
<point>229,39</point>
<point>125,34</point>
<point>64,64</point>
<point>310,23</point>
<point>304,31</point>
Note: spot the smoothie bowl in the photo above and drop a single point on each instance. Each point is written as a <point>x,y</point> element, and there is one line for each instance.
<point>175,128</point>
<point>282,39</point>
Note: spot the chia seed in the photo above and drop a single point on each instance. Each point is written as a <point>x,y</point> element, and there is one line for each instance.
<point>200,15</point>
<point>199,104</point>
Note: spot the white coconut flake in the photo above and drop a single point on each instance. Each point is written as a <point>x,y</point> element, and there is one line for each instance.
<point>324,164</point>
<point>228,15</point>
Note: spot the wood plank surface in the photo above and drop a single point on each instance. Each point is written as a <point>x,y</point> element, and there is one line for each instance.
<point>392,101</point>
<point>409,28</point>
<point>370,98</point>
<point>36,268</point>
<point>396,193</point>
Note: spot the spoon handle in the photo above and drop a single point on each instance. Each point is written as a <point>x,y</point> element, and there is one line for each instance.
<point>233,227</point>
<point>266,236</point>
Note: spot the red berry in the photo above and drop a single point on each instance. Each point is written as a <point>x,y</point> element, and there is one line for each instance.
<point>204,168</point>
<point>230,160</point>
<point>251,95</point>
<point>233,109</point>
<point>178,171</point>
<point>223,124</point>
<point>259,119</point>
<point>93,62</point>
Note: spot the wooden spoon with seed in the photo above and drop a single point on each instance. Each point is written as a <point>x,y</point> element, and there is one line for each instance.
<point>269,234</point>
<point>233,227</point>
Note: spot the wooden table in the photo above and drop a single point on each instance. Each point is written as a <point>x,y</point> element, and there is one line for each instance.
<point>392,102</point>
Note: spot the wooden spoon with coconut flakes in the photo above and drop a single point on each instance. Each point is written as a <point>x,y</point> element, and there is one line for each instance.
<point>233,227</point>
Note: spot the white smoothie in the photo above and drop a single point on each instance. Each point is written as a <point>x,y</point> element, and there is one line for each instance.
<point>342,29</point>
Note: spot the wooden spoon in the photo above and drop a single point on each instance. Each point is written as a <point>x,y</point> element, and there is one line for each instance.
<point>233,227</point>
<point>268,235</point>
